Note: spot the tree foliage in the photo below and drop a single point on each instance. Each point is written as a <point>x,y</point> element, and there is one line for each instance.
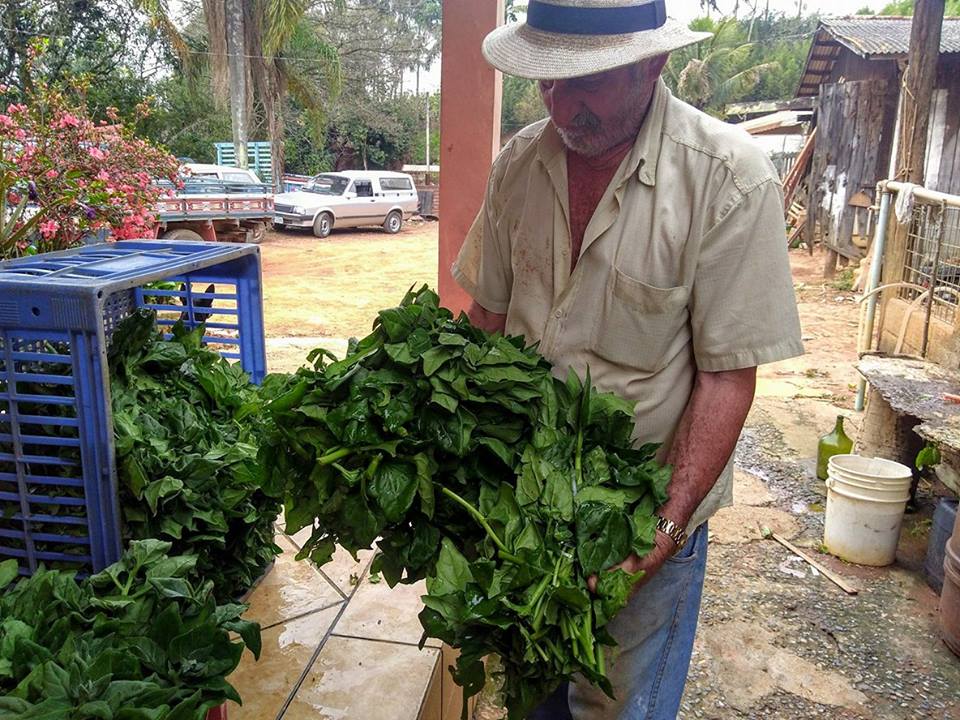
<point>905,8</point>
<point>748,59</point>
<point>109,41</point>
<point>522,104</point>
<point>375,123</point>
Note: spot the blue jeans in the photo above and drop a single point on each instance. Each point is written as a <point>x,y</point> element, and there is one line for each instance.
<point>654,634</point>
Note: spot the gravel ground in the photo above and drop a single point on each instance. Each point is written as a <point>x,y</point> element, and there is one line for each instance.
<point>808,649</point>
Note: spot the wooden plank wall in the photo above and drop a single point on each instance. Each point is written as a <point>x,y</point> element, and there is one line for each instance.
<point>948,179</point>
<point>846,158</point>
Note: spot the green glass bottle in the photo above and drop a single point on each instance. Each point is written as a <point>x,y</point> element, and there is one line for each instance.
<point>835,443</point>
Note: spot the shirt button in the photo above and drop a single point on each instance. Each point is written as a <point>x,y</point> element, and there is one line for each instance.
<point>558,314</point>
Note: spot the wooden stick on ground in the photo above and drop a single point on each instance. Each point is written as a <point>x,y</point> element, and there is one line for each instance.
<point>829,574</point>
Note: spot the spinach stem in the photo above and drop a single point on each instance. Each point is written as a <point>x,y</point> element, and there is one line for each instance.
<point>578,462</point>
<point>586,638</point>
<point>478,516</point>
<point>333,456</point>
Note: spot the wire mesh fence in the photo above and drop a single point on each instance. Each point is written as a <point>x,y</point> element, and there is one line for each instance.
<point>932,261</point>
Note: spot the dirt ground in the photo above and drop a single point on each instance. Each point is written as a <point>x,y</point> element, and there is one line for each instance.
<point>322,292</point>
<point>776,640</point>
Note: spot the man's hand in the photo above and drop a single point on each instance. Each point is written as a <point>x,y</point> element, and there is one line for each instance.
<point>649,563</point>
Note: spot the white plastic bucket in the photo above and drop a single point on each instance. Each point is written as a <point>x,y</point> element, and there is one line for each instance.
<point>866,498</point>
<point>872,470</point>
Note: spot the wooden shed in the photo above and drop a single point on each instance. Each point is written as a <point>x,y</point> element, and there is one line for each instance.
<point>854,69</point>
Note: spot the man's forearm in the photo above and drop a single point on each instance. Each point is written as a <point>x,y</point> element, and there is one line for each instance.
<point>486,320</point>
<point>706,438</point>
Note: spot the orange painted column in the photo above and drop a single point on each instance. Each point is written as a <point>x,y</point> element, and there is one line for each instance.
<point>470,92</point>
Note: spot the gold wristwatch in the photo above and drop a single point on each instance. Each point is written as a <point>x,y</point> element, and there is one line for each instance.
<point>674,531</point>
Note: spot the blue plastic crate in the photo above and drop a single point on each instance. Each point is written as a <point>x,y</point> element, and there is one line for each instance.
<point>58,311</point>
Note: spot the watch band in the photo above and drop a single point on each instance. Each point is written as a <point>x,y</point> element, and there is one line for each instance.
<point>674,531</point>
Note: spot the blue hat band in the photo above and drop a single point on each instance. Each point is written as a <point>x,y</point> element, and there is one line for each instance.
<point>568,20</point>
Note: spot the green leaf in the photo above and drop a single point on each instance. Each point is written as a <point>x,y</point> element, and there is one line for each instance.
<point>435,358</point>
<point>395,486</point>
<point>928,457</point>
<point>614,589</point>
<point>160,489</point>
<point>425,470</point>
<point>527,485</point>
<point>604,536</point>
<point>9,570</point>
<point>452,573</point>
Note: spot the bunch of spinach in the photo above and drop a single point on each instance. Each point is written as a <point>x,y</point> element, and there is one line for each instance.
<point>186,443</point>
<point>138,641</point>
<point>475,468</point>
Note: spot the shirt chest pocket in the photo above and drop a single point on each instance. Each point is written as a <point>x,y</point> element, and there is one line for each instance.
<point>642,326</point>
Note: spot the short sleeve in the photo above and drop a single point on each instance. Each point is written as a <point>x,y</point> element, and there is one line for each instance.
<point>483,266</point>
<point>743,310</point>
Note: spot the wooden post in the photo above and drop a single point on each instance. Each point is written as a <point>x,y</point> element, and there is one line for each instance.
<point>919,80</point>
<point>884,433</point>
<point>469,129</point>
<point>918,85</point>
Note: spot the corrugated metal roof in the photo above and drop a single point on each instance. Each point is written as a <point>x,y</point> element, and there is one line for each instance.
<point>869,35</point>
<point>872,37</point>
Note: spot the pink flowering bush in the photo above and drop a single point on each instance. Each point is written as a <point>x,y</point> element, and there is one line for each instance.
<point>64,175</point>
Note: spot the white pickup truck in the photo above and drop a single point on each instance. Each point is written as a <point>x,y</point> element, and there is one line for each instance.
<point>348,199</point>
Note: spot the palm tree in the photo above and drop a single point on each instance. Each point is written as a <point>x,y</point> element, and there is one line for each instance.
<point>717,71</point>
<point>259,52</point>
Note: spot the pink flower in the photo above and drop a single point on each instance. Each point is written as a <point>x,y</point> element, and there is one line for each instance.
<point>20,134</point>
<point>52,174</point>
<point>96,153</point>
<point>103,174</point>
<point>13,109</point>
<point>6,121</point>
<point>49,228</point>
<point>66,120</point>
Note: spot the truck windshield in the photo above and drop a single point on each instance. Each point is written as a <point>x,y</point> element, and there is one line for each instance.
<point>327,185</point>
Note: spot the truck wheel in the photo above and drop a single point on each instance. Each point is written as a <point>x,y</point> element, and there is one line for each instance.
<point>394,222</point>
<point>182,234</point>
<point>323,225</point>
<point>257,233</point>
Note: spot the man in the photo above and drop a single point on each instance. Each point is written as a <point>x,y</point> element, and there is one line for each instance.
<point>631,234</point>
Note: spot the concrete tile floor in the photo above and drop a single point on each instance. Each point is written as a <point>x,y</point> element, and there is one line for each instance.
<point>337,646</point>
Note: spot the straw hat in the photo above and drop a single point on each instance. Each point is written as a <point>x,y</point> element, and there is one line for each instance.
<point>570,38</point>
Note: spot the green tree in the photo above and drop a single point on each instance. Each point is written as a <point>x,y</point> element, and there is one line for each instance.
<point>720,70</point>
<point>112,46</point>
<point>259,52</point>
<point>732,67</point>
<point>905,7</point>
<point>521,104</point>
<point>186,119</point>
<point>382,135</point>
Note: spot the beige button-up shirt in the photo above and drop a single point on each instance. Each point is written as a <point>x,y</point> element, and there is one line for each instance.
<point>683,267</point>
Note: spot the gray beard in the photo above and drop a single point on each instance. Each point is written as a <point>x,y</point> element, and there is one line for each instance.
<point>591,138</point>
